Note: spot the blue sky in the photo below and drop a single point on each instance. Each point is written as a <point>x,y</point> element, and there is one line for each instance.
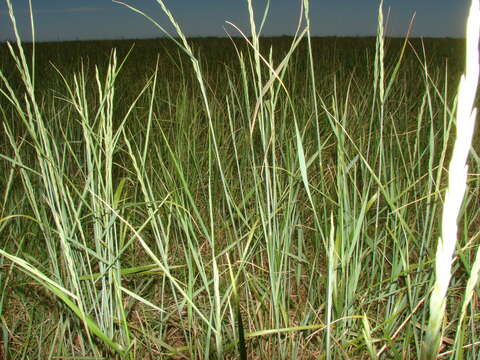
<point>103,19</point>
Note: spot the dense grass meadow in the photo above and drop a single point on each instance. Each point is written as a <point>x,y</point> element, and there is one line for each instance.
<point>244,198</point>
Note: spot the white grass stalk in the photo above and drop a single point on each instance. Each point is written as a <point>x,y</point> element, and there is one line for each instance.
<point>457,176</point>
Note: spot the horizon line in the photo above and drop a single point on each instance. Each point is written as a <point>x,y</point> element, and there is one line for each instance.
<point>232,37</point>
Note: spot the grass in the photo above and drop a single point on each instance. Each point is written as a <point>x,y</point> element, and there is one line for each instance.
<point>243,198</point>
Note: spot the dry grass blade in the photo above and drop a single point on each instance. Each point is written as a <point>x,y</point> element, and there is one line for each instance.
<point>457,181</point>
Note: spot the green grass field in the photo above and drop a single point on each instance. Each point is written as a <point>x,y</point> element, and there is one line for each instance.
<point>246,198</point>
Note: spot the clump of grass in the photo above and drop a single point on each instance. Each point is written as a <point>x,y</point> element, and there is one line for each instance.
<point>269,210</point>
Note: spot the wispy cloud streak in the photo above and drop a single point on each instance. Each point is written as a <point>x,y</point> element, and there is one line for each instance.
<point>55,11</point>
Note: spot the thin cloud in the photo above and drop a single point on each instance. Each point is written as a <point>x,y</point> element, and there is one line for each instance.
<point>56,11</point>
